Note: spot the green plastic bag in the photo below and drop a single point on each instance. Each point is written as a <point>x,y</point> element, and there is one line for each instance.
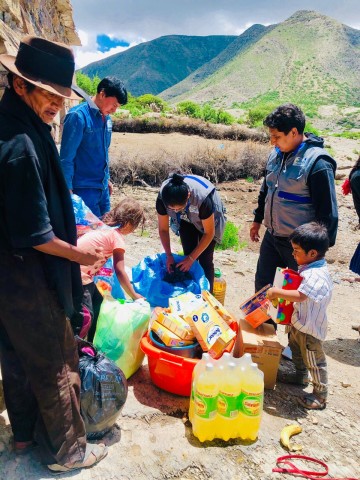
<point>120,327</point>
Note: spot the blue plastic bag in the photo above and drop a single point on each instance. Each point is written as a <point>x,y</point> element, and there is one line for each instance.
<point>147,278</point>
<point>108,275</point>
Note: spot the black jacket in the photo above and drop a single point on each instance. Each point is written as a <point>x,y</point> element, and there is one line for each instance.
<point>322,191</point>
<point>35,203</point>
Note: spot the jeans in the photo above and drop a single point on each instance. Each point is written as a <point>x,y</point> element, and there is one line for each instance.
<point>96,199</point>
<point>39,362</point>
<point>190,237</point>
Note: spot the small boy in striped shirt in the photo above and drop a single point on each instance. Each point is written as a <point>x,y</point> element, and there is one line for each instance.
<point>309,321</point>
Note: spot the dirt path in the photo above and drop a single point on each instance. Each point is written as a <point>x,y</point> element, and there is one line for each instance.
<point>153,440</point>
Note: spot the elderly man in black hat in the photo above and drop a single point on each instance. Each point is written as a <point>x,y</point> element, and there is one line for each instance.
<point>40,283</point>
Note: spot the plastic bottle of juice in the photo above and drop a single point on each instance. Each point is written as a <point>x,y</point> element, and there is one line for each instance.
<point>205,404</point>
<point>219,288</point>
<point>244,361</point>
<point>251,402</point>
<point>228,402</point>
<point>199,368</point>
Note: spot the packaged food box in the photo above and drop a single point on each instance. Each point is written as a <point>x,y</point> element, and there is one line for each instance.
<point>281,311</point>
<point>219,307</point>
<point>255,308</point>
<point>263,345</point>
<point>167,336</point>
<point>211,331</point>
<point>174,323</point>
<point>185,303</point>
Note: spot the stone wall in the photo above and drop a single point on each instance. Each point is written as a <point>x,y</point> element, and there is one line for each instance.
<point>50,19</point>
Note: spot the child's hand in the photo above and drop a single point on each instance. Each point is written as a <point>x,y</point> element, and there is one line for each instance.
<point>271,294</point>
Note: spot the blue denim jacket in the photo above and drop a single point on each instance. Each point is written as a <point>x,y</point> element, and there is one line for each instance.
<point>84,147</point>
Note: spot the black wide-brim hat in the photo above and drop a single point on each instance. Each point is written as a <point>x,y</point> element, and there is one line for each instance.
<point>46,64</point>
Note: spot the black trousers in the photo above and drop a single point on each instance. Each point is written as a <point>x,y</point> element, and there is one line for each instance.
<point>190,238</point>
<point>92,299</point>
<point>274,252</point>
<point>39,362</point>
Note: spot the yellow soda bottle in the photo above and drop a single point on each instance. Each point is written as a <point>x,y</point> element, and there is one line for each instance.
<point>219,288</point>
<point>251,402</point>
<point>228,403</point>
<point>199,368</point>
<point>205,404</point>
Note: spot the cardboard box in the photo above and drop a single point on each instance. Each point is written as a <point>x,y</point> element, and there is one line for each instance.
<point>281,311</point>
<point>255,308</point>
<point>264,347</point>
<point>168,337</point>
<point>174,323</point>
<point>211,331</point>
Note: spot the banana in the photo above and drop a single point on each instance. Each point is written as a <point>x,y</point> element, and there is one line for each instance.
<point>285,435</point>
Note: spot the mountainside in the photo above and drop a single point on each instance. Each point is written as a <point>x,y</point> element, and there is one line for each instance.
<point>154,66</point>
<point>309,58</point>
<point>240,44</point>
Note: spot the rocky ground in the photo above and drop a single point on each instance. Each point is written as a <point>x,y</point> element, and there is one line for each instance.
<point>153,439</point>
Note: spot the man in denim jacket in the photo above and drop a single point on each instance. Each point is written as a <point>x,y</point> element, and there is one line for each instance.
<point>85,143</point>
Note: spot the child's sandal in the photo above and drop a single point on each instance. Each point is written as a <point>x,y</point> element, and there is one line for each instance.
<point>311,402</point>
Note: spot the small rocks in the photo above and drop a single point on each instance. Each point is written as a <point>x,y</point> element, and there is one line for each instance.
<point>345,384</point>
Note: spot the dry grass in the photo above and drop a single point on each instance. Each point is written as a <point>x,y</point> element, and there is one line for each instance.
<point>188,126</point>
<point>219,163</point>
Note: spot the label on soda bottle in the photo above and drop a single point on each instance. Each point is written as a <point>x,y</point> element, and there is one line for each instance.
<point>250,404</point>
<point>227,405</point>
<point>205,405</point>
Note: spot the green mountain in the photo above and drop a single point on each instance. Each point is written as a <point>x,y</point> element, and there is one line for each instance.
<point>309,59</point>
<point>242,42</point>
<point>154,66</point>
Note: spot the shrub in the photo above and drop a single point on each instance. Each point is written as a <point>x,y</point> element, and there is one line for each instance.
<point>230,240</point>
<point>152,102</point>
<point>188,108</point>
<point>86,83</point>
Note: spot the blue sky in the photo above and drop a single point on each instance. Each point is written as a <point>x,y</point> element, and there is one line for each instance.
<point>112,26</point>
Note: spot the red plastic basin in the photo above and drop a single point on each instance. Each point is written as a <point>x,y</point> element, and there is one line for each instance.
<point>171,372</point>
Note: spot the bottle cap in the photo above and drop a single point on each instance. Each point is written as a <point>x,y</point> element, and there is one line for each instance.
<point>217,272</point>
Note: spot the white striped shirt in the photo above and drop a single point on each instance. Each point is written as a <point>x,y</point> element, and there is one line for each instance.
<point>310,316</point>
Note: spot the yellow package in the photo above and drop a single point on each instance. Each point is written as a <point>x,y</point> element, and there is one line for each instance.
<point>175,324</point>
<point>168,337</point>
<point>219,307</point>
<point>211,331</point>
<point>185,303</point>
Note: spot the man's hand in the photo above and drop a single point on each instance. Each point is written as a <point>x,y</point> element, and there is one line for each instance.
<point>111,187</point>
<point>185,264</point>
<point>170,263</point>
<point>254,232</point>
<point>93,257</point>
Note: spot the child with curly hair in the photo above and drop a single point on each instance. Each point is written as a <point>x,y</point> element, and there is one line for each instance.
<point>124,218</point>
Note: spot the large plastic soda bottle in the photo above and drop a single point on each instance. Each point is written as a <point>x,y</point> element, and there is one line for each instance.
<point>205,404</point>
<point>228,403</point>
<point>251,402</point>
<point>198,369</point>
<point>219,288</point>
<point>244,361</point>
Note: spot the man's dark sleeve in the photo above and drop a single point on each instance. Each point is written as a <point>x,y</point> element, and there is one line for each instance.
<point>160,207</point>
<point>260,209</point>
<point>27,218</point>
<point>321,183</point>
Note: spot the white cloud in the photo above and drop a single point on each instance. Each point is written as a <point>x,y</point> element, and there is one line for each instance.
<point>84,57</point>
